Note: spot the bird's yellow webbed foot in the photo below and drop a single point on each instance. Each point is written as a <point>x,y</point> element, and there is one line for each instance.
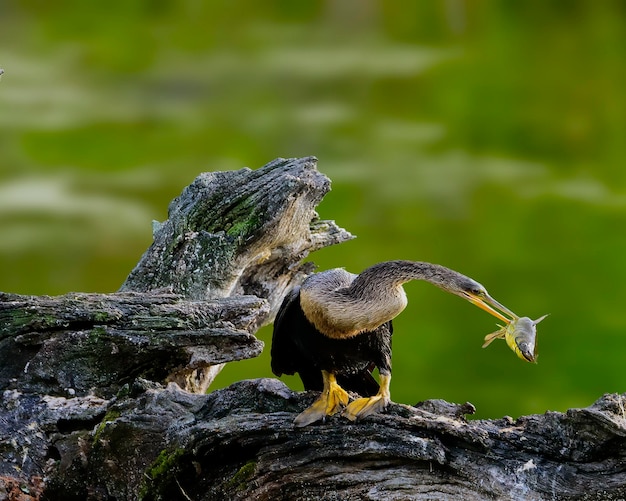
<point>332,400</point>
<point>363,407</point>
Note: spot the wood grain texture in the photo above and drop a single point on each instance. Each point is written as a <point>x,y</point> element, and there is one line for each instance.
<point>240,443</point>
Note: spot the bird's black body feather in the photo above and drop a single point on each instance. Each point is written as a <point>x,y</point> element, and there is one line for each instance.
<point>298,347</point>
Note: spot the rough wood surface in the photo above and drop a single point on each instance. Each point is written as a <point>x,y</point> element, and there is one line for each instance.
<point>102,395</point>
<point>240,443</point>
<point>80,344</point>
<point>239,232</point>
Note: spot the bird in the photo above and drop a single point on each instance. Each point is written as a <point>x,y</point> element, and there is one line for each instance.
<point>336,328</point>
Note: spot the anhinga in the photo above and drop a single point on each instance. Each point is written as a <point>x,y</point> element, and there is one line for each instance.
<point>336,328</point>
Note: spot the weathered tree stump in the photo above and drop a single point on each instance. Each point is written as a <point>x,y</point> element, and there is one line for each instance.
<point>103,395</point>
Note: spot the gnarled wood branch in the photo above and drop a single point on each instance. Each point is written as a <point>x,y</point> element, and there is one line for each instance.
<point>240,443</point>
<point>239,232</point>
<point>103,394</point>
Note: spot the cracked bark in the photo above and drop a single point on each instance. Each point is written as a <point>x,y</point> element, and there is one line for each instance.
<point>103,395</point>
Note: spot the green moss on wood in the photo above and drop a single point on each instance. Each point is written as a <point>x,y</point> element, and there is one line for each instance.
<point>241,220</point>
<point>163,464</point>
<point>244,227</point>
<point>240,480</point>
<point>101,316</point>
<point>161,471</point>
<point>110,416</point>
<point>96,334</point>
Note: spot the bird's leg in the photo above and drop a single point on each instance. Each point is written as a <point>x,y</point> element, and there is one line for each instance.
<point>332,400</point>
<point>362,407</point>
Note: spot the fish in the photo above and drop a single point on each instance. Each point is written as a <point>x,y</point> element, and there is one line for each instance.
<point>521,336</point>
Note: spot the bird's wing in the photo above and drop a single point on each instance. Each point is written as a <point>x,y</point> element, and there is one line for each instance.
<point>287,357</point>
<point>281,343</point>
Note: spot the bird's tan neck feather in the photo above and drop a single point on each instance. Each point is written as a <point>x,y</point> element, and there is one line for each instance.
<point>338,316</point>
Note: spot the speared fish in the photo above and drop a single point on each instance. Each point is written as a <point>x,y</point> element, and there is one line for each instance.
<point>521,336</point>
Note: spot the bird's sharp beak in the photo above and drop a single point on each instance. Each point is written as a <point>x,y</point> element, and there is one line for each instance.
<point>491,306</point>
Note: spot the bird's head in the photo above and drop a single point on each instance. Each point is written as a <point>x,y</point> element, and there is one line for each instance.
<point>476,294</point>
<point>470,290</point>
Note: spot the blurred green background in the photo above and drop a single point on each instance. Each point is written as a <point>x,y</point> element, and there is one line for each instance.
<point>488,136</point>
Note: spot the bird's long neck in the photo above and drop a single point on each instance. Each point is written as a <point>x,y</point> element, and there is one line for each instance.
<point>371,299</point>
<point>389,275</point>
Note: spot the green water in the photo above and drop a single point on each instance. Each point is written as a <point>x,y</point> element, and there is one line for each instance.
<point>485,136</point>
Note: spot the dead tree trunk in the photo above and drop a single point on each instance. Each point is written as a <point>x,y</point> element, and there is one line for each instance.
<point>103,395</point>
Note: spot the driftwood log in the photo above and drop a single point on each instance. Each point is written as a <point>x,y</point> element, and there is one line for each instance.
<point>104,395</point>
